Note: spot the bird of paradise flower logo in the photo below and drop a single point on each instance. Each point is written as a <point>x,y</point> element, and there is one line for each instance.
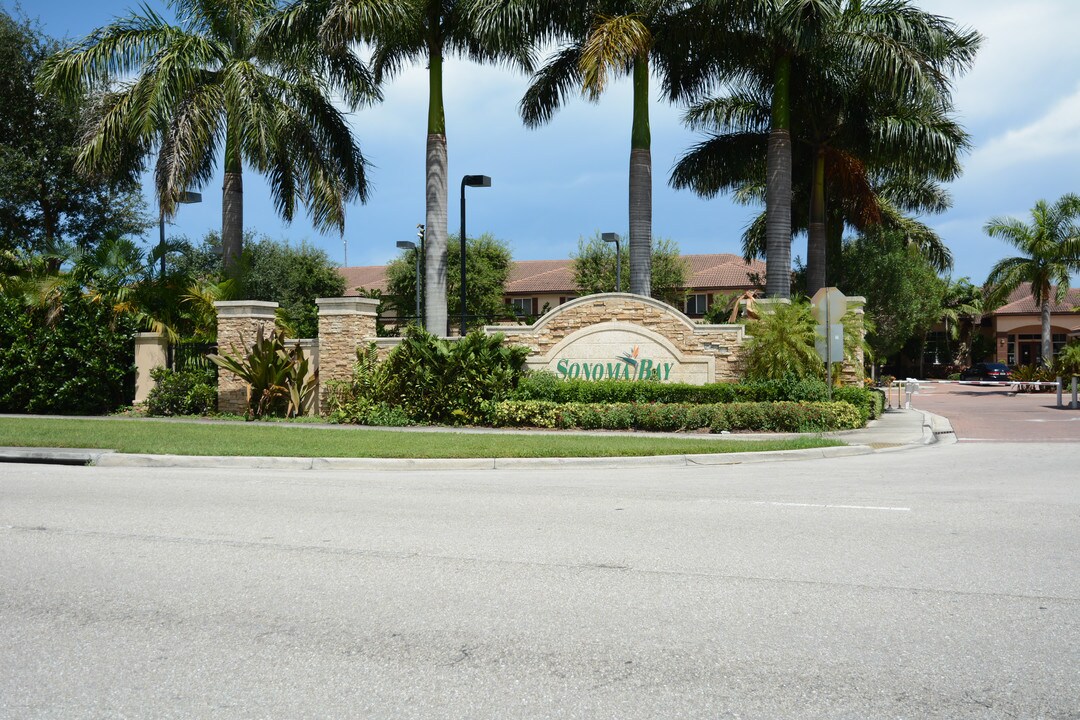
<point>631,357</point>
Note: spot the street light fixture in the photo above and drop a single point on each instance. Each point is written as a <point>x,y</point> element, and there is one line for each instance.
<point>409,245</point>
<point>612,237</point>
<point>186,198</point>
<point>467,181</point>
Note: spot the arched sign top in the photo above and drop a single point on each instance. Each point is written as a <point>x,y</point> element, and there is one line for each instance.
<point>590,301</point>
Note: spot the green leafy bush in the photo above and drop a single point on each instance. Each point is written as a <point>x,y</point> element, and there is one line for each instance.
<point>75,358</point>
<point>430,380</point>
<point>184,392</point>
<point>669,417</point>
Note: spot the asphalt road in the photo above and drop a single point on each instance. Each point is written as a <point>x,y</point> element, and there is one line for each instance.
<point>940,582</point>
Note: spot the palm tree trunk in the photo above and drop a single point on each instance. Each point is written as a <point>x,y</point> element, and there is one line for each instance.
<point>232,202</point>
<point>1047,333</point>
<point>816,240</point>
<point>641,185</point>
<point>778,189</point>
<point>436,195</point>
<point>834,238</point>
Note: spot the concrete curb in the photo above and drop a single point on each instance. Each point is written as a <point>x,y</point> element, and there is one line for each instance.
<point>51,456</point>
<point>392,464</point>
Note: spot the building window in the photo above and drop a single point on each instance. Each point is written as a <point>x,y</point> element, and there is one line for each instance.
<point>566,299</point>
<point>523,306</point>
<point>697,304</point>
<point>1010,356</point>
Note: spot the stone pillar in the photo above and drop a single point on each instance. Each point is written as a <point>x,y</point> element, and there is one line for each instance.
<point>344,324</point>
<point>151,351</point>
<point>238,321</point>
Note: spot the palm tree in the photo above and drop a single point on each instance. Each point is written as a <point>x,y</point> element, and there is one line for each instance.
<point>426,31</point>
<point>1051,252</point>
<point>602,38</point>
<point>961,310</point>
<point>874,158</point>
<point>230,79</point>
<point>803,59</point>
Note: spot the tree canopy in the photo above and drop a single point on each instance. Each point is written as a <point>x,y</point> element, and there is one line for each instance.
<point>487,267</point>
<point>44,203</point>
<point>595,270</point>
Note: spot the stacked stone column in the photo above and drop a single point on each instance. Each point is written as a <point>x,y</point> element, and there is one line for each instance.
<point>345,323</point>
<point>238,322</point>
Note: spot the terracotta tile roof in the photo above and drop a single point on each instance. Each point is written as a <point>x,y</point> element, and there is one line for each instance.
<point>1021,302</point>
<point>722,270</point>
<point>371,277</point>
<point>540,277</point>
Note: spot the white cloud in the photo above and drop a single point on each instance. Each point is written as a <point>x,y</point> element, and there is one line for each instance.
<point>1053,136</point>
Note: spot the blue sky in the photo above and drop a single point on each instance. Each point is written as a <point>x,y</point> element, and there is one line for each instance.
<point>1021,104</point>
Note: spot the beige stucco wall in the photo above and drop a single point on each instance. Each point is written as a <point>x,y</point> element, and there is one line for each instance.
<point>1021,324</point>
<point>151,351</point>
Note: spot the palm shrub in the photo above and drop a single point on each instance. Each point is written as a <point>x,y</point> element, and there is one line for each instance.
<point>277,375</point>
<point>1067,362</point>
<point>780,343</point>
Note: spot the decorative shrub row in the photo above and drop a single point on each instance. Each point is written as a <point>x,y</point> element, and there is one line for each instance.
<point>669,417</point>
<point>545,386</point>
<point>870,402</point>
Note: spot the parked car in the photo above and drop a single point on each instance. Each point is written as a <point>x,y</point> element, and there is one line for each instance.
<point>987,371</point>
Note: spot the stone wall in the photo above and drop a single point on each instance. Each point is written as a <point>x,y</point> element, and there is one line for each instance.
<point>344,325</point>
<point>238,322</point>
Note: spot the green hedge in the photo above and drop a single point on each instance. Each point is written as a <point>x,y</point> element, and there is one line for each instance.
<point>79,361</point>
<point>546,386</point>
<point>669,417</point>
<point>869,402</point>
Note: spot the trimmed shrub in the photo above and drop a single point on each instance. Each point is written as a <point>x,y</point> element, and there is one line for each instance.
<point>546,386</point>
<point>186,392</point>
<point>869,403</point>
<point>669,417</point>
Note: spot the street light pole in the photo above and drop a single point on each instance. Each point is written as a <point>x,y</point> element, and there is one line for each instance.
<point>409,245</point>
<point>612,237</point>
<point>467,181</point>
<point>186,198</point>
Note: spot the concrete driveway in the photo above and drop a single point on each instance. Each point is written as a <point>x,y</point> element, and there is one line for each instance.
<point>995,414</point>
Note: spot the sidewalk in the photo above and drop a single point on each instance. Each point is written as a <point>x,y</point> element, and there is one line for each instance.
<point>895,430</point>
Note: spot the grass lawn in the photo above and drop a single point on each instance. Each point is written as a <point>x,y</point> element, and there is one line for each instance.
<point>175,438</point>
